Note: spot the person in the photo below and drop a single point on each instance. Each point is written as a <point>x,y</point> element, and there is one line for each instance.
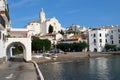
<point>88,55</point>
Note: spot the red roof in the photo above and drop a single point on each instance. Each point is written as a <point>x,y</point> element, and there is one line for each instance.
<point>70,39</point>
<point>82,36</point>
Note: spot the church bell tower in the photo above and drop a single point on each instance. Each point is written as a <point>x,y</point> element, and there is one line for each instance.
<point>42,16</point>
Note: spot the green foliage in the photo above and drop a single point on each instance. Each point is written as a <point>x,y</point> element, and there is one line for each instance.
<point>8,36</point>
<point>72,46</point>
<point>50,29</point>
<point>110,47</point>
<point>63,46</point>
<point>61,32</point>
<point>17,50</point>
<point>41,44</point>
<point>69,32</point>
<point>83,44</point>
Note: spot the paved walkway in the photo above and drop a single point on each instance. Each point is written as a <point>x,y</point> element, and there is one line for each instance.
<point>18,71</point>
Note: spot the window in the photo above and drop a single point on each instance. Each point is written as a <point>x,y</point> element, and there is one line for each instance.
<point>100,35</point>
<point>119,41</point>
<point>94,40</point>
<point>112,42</point>
<point>111,36</point>
<point>0,35</point>
<point>119,36</point>
<point>106,40</point>
<point>106,35</point>
<point>118,30</point>
<point>111,31</point>
<point>3,37</point>
<point>94,35</point>
<point>100,40</point>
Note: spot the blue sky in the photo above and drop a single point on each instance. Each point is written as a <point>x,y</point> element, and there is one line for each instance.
<point>89,13</point>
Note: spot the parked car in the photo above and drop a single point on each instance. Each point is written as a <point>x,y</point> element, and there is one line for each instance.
<point>56,51</point>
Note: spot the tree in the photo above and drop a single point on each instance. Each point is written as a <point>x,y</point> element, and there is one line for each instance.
<point>69,32</point>
<point>17,50</point>
<point>63,46</point>
<point>72,46</point>
<point>8,36</point>
<point>50,29</point>
<point>41,44</point>
<point>110,47</point>
<point>83,45</point>
<point>61,32</point>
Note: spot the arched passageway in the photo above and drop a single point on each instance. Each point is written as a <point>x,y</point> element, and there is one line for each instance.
<point>18,48</point>
<point>16,51</point>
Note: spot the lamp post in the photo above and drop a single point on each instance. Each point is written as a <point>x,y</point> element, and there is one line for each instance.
<point>54,40</point>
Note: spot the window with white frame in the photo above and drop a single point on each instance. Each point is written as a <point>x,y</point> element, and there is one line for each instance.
<point>118,30</point>
<point>106,40</point>
<point>0,34</point>
<point>119,36</point>
<point>100,40</point>
<point>100,35</point>
<point>94,35</point>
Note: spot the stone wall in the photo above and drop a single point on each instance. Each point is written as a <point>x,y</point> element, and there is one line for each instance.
<point>2,60</point>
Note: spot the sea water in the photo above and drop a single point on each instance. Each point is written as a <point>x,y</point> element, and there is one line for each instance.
<point>99,68</point>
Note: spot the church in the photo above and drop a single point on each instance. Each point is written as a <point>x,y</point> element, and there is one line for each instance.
<point>37,28</point>
<point>43,25</point>
<point>40,28</point>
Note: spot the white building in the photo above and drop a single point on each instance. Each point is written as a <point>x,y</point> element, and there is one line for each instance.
<point>18,33</point>
<point>4,23</point>
<point>38,28</point>
<point>106,35</point>
<point>23,36</point>
<point>73,38</point>
<point>18,36</point>
<point>115,36</point>
<point>33,28</point>
<point>54,38</point>
<point>78,29</point>
<point>98,39</point>
<point>42,26</point>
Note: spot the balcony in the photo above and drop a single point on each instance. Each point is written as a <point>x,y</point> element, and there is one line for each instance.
<point>2,23</point>
<point>5,16</point>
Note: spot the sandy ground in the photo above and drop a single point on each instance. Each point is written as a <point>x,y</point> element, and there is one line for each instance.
<point>71,56</point>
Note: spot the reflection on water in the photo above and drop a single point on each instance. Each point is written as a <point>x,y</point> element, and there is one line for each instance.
<point>101,68</point>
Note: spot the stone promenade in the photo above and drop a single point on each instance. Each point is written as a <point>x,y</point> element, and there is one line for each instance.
<point>18,71</point>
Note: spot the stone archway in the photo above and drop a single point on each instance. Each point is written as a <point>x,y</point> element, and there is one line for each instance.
<point>25,43</point>
<point>95,49</point>
<point>9,49</point>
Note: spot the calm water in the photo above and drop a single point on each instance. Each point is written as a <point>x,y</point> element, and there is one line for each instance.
<point>100,68</point>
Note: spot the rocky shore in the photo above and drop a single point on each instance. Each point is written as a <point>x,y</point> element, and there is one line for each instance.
<point>71,56</point>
